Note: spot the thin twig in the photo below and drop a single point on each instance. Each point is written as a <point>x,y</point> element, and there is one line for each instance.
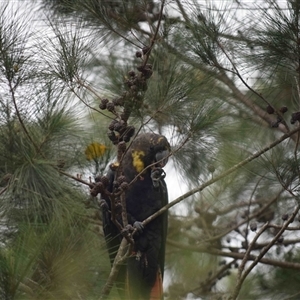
<point>245,260</point>
<point>3,190</point>
<point>222,77</point>
<point>207,248</point>
<point>248,86</point>
<point>86,104</point>
<point>124,210</point>
<point>263,252</point>
<point>20,118</point>
<point>106,21</point>
<point>240,76</point>
<point>296,152</point>
<point>76,178</point>
<point>207,284</point>
<point>249,206</point>
<point>252,216</point>
<point>153,39</point>
<point>292,296</point>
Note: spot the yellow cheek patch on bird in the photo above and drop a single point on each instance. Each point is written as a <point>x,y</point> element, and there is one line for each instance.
<point>137,160</point>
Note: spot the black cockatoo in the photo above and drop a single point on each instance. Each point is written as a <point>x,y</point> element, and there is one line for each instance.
<point>141,276</point>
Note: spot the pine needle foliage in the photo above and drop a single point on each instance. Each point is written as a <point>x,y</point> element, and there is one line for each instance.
<point>221,81</point>
<point>45,225</point>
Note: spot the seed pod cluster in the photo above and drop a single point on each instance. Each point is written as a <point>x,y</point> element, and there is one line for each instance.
<point>136,83</point>
<point>112,136</point>
<point>97,189</point>
<point>131,73</point>
<point>124,186</point>
<point>138,54</point>
<point>103,103</point>
<point>145,50</point>
<point>119,101</point>
<point>120,132</point>
<point>110,107</point>
<point>270,110</point>
<point>122,147</point>
<point>122,183</point>
<point>295,117</point>
<point>146,71</point>
<point>105,181</point>
<point>283,109</point>
<point>132,98</point>
<point>121,179</point>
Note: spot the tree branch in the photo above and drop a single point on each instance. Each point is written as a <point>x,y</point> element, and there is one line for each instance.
<point>222,175</point>
<point>236,255</point>
<point>119,260</point>
<point>240,278</point>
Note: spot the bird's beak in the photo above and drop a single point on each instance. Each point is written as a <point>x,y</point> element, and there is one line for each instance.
<point>162,158</point>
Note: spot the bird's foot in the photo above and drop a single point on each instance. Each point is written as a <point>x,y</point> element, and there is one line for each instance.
<point>138,226</point>
<point>127,230</point>
<point>156,175</point>
<point>103,205</point>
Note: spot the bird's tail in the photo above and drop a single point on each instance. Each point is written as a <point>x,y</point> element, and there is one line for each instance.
<point>157,289</point>
<point>135,292</point>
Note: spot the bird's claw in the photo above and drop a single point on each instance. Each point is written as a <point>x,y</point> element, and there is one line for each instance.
<point>127,230</point>
<point>138,226</point>
<point>156,175</point>
<point>103,205</point>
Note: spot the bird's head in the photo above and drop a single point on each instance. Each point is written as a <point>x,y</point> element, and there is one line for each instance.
<point>147,149</point>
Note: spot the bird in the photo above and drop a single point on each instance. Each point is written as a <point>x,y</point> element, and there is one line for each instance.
<point>141,167</point>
